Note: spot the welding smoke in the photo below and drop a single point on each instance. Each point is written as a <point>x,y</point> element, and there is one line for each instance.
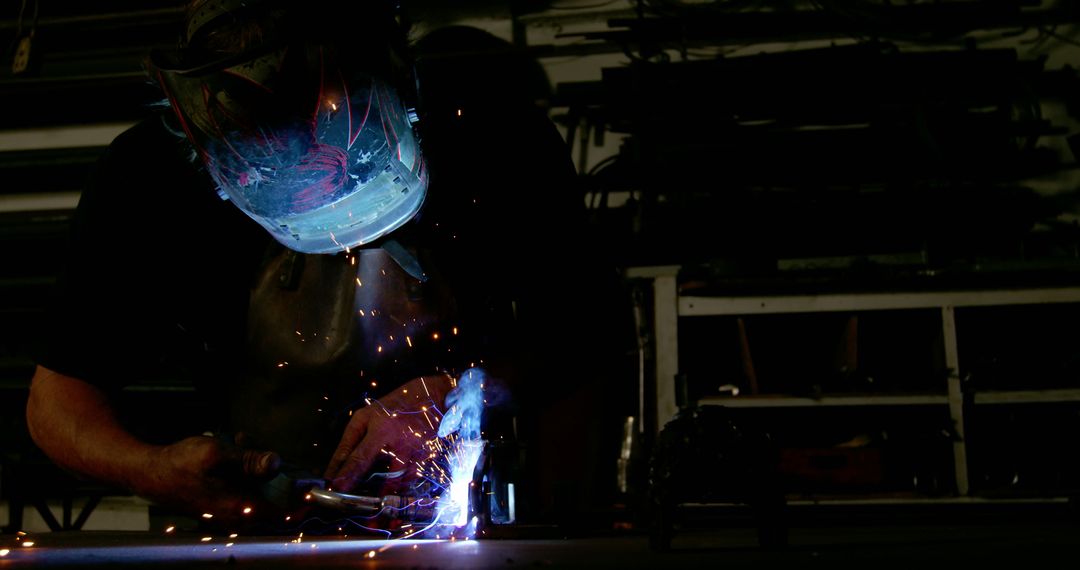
<point>465,405</point>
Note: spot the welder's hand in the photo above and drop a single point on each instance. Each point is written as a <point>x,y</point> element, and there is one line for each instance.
<point>390,432</point>
<point>205,475</point>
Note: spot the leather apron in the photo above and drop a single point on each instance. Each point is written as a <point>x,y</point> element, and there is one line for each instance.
<point>325,332</point>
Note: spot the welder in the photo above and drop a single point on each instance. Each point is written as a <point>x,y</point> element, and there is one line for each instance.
<point>271,237</point>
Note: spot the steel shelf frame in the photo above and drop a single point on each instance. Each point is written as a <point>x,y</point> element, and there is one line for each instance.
<point>669,306</point>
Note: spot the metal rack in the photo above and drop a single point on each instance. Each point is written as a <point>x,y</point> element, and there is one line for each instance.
<point>669,306</point>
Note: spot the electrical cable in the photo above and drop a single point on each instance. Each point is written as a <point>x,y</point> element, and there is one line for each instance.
<point>597,197</point>
<point>18,28</point>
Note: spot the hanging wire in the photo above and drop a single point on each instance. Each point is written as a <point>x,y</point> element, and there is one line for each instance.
<point>18,28</point>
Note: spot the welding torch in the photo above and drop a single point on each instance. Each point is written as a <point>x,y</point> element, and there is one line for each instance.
<point>415,509</point>
<point>292,488</point>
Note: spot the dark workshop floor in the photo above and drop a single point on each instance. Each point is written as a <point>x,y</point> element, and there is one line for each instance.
<point>838,539</point>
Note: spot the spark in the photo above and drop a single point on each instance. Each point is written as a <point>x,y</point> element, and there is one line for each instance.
<point>459,112</point>
<point>170,529</point>
<point>333,106</point>
<point>455,331</point>
<point>358,283</point>
<point>206,538</point>
<point>4,551</point>
<point>228,544</point>
<point>247,510</point>
<point>207,516</point>
<point>379,349</point>
<point>28,544</point>
<point>374,384</point>
<point>352,260</point>
<point>408,341</point>
<point>370,554</point>
<point>435,336</point>
<point>282,364</point>
<point>233,535</point>
<point>337,243</point>
<point>361,312</point>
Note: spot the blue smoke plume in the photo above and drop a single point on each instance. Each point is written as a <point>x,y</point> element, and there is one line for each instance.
<point>465,405</point>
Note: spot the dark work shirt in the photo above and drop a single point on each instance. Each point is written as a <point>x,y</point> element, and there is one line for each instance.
<point>158,273</point>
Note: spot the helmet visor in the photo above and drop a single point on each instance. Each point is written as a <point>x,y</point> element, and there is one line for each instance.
<point>323,156</point>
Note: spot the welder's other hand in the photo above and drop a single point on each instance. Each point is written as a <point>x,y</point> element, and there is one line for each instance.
<point>384,433</point>
<point>205,475</point>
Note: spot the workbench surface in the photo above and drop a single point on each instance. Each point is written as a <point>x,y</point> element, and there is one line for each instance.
<point>995,544</point>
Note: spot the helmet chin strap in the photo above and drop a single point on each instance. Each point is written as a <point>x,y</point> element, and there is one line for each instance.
<point>405,260</point>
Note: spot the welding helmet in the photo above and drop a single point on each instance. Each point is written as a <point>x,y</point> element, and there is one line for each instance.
<point>301,118</point>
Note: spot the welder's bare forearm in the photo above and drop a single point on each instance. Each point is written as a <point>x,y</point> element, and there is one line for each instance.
<point>74,423</point>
